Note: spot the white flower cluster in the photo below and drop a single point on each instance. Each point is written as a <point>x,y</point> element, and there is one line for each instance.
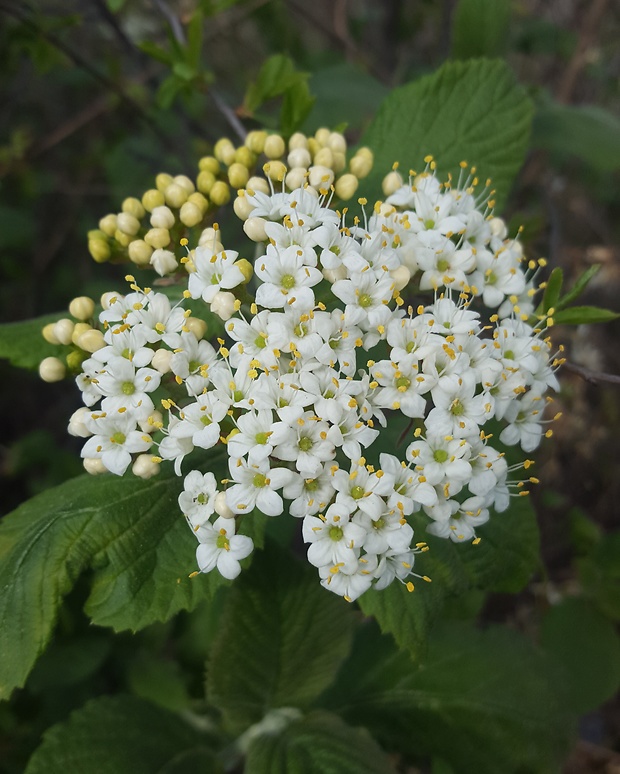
<point>298,403</point>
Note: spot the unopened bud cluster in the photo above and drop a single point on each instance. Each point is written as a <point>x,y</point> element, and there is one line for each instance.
<point>360,365</point>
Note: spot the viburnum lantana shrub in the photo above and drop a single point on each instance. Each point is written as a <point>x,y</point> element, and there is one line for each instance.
<point>338,320</point>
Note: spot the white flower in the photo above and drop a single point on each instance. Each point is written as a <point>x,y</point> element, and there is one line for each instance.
<point>115,438</point>
<point>287,278</point>
<point>334,538</point>
<point>213,272</point>
<point>255,485</point>
<point>220,548</point>
<point>306,443</point>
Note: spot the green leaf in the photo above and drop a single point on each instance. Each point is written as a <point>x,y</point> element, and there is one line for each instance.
<point>159,680</point>
<point>70,660</point>
<point>23,345</point>
<point>168,91</point>
<point>485,702</point>
<point>552,290</point>
<point>585,645</point>
<point>121,734</point>
<point>131,535</point>
<point>588,132</point>
<point>281,640</point>
<point>277,75</point>
<point>584,315</point>
<point>155,52</point>
<point>296,106</point>
<point>195,31</point>
<point>599,573</point>
<point>472,111</point>
<point>480,28</point>
<point>184,71</point>
<point>580,285</point>
<point>320,742</point>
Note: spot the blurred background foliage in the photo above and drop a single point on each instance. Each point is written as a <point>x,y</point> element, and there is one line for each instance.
<point>101,95</point>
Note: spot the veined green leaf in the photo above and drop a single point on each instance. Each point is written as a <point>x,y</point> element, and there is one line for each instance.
<point>580,285</point>
<point>23,344</point>
<point>552,290</point>
<point>584,315</point>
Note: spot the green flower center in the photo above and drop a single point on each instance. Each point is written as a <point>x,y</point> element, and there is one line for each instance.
<point>311,486</point>
<point>443,265</point>
<point>300,330</point>
<point>457,408</point>
<point>128,388</point>
<point>222,542</point>
<point>259,480</point>
<point>410,346</point>
<point>238,395</point>
<point>335,250</point>
<point>491,278</point>
<point>260,342</point>
<point>357,492</point>
<point>440,455</point>
<point>288,282</point>
<point>305,443</point>
<point>127,353</point>
<point>430,223</point>
<point>205,420</point>
<point>262,438</point>
<point>202,498</point>
<point>365,300</point>
<point>379,524</point>
<point>193,365</point>
<point>335,533</point>
<point>118,438</point>
<point>402,383</point>
<point>509,354</point>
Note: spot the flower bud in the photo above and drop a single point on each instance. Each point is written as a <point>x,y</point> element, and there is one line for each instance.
<point>48,334</point>
<point>124,240</point>
<point>275,170</point>
<point>255,229</point>
<point>324,158</point>
<point>133,206</point>
<point>333,275</point>
<point>176,195</point>
<point>152,198</point>
<point>140,252</point>
<point>401,276</point>
<point>196,326</point>
<point>274,147</point>
<point>108,225</point>
<point>91,341</point>
<point>224,151</point>
<point>161,361</point>
<point>99,250</point>
<point>76,426</point>
<point>78,330</point>
<point>360,165</point>
<point>209,164</point>
<point>74,359</point>
<point>144,467</point>
<point>163,261</point>
<point>320,177</point>
<point>162,217</point>
<point>199,200</point>
<point>297,140</point>
<point>391,183</point>
<point>245,157</point>
<point>162,181</point>
<point>220,193</point>
<point>221,506</point>
<point>157,237</point>
<point>109,299</point>
<point>223,305</point>
<point>82,308</point>
<point>51,369</point>
<point>205,181</point>
<point>498,227</point>
<point>337,142</point>
<point>150,424</point>
<point>296,178</point>
<point>339,161</point>
<point>322,136</point>
<point>346,186</point>
<point>127,223</point>
<point>94,466</point>
<point>63,330</point>
<point>255,141</point>
<point>242,207</point>
<point>258,184</point>
<point>238,175</point>
<point>313,146</point>
<point>190,214</point>
<point>185,183</point>
<point>299,157</point>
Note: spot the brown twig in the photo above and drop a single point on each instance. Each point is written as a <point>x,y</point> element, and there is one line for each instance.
<point>592,377</point>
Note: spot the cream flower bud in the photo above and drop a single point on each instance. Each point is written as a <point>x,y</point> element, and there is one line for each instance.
<point>246,268</point>
<point>99,250</point>
<point>242,207</point>
<point>346,186</point>
<point>322,136</point>
<point>78,330</point>
<point>123,239</point>
<point>48,334</point>
<point>333,275</point>
<point>209,164</point>
<point>324,158</point>
<point>94,466</point>
<point>161,361</point>
<point>127,223</point>
<point>157,237</point>
<point>63,330</point>
<point>220,193</point>
<point>401,276</point>
<point>190,214</point>
<point>221,506</point>
<point>164,262</point>
<point>320,177</point>
<point>211,237</point>
<point>224,151</point>
<point>337,142</point>
<point>51,369</point>
<point>199,200</point>
<point>162,181</point>
<point>108,225</point>
<point>296,178</point>
<point>133,206</point>
<point>313,146</point>
<point>176,195</point>
<point>255,229</point>
<point>238,175</point>
<point>391,183</point>
<point>205,181</point>
<point>140,252</point>
<point>339,162</point>
<point>91,341</point>
<point>152,423</point>
<point>275,170</point>
<point>144,467</point>
<point>223,305</point>
<point>152,198</point>
<point>184,182</point>
<point>109,298</point>
<point>360,165</point>
<point>298,140</point>
<point>76,426</point>
<point>196,326</point>
<point>82,308</point>
<point>498,227</point>
<point>162,217</point>
<point>258,184</point>
<point>275,147</point>
<point>299,157</point>
<point>255,141</point>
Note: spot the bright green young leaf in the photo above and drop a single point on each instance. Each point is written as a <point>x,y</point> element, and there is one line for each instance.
<point>23,345</point>
<point>585,645</point>
<point>485,702</point>
<point>319,742</point>
<point>118,734</point>
<point>584,315</point>
<point>277,75</point>
<point>599,573</point>
<point>553,290</point>
<point>127,531</point>
<point>195,30</point>
<point>282,637</point>
<point>472,111</point>
<point>184,71</point>
<point>580,285</point>
<point>480,28</point>
<point>296,106</point>
<point>155,52</point>
<point>168,90</point>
